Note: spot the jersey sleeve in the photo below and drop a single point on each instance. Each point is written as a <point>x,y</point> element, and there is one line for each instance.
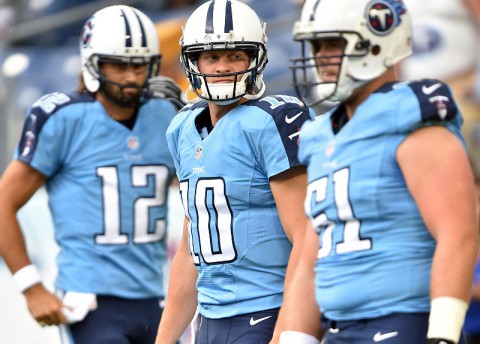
<point>427,102</point>
<point>43,136</point>
<point>278,143</point>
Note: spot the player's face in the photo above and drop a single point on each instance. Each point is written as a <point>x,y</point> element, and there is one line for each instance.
<point>223,62</point>
<point>328,53</point>
<point>130,76</point>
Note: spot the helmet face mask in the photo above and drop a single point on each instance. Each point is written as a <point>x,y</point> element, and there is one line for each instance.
<point>245,80</point>
<point>118,35</point>
<point>225,25</point>
<point>317,77</point>
<point>377,34</point>
<point>114,91</point>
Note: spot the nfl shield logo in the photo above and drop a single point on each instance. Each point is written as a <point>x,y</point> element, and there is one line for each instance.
<point>133,142</point>
<point>198,152</point>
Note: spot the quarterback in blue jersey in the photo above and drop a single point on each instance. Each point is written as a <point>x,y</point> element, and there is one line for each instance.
<point>240,181</point>
<point>102,153</point>
<point>391,196</point>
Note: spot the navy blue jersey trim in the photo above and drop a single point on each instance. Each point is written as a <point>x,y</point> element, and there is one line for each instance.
<point>288,117</point>
<point>37,118</point>
<point>435,99</point>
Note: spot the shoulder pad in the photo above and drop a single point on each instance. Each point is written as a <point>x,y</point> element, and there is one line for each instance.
<point>288,114</point>
<point>52,102</point>
<point>40,112</point>
<point>283,109</point>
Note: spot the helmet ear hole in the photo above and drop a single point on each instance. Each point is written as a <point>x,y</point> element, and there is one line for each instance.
<point>376,50</point>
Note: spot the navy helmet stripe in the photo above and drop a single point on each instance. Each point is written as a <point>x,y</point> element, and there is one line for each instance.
<point>312,16</point>
<point>128,33</point>
<point>209,23</point>
<point>142,30</point>
<point>228,17</point>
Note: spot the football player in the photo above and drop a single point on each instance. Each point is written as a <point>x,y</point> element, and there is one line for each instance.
<point>241,183</point>
<point>391,197</point>
<point>102,153</point>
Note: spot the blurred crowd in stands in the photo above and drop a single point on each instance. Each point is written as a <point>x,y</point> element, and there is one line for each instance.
<point>57,21</point>
<point>39,49</point>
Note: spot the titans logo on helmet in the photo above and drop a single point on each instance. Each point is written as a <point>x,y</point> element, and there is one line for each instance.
<point>384,16</point>
<point>87,33</point>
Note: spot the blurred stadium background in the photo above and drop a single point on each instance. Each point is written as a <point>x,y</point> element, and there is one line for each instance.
<point>38,55</point>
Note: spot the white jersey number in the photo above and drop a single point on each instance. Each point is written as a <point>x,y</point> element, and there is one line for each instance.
<point>214,222</point>
<point>111,205</point>
<point>351,237</point>
<point>49,102</point>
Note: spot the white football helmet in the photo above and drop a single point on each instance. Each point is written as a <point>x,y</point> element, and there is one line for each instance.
<point>377,34</point>
<point>119,34</point>
<point>224,25</point>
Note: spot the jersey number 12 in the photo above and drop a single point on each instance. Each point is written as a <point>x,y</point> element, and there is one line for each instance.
<point>141,207</point>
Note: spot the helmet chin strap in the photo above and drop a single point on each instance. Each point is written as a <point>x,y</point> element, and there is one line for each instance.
<point>258,90</point>
<point>195,98</point>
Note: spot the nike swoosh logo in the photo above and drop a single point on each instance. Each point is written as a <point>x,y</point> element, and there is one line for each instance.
<point>378,337</point>
<point>430,89</point>
<point>291,119</point>
<point>254,322</point>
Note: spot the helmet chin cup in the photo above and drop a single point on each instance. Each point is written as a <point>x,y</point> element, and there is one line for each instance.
<point>224,94</point>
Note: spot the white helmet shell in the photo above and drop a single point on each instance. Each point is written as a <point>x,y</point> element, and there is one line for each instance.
<point>120,33</point>
<point>225,25</point>
<point>377,34</point>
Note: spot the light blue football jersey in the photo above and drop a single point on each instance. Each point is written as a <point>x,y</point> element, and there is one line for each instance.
<point>375,251</point>
<point>235,236</point>
<point>107,187</point>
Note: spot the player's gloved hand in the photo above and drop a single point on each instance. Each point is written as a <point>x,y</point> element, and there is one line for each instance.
<point>439,341</point>
<point>77,305</point>
<point>166,88</point>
